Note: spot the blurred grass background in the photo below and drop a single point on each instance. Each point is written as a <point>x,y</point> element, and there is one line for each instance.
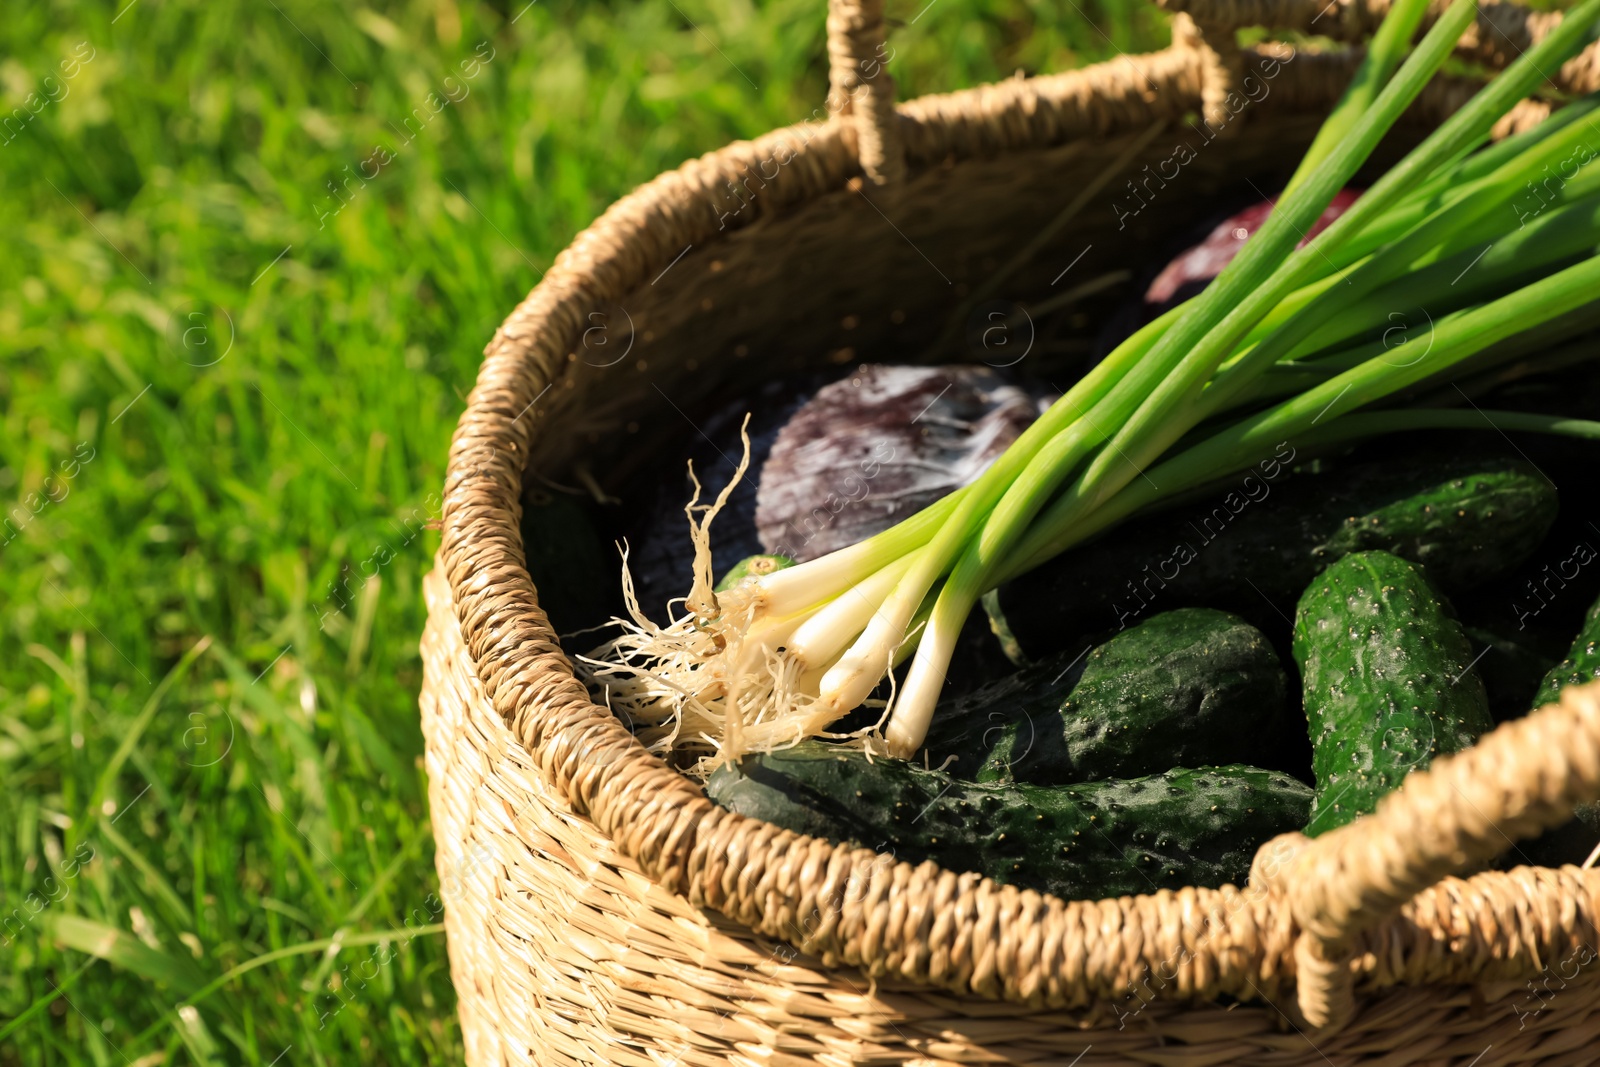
<point>251,264</point>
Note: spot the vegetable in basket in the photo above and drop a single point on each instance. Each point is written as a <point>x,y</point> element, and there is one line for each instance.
<point>1252,546</point>
<point>1097,839</point>
<point>1285,345</point>
<point>1387,678</point>
<point>1192,270</point>
<point>839,459</point>
<point>881,444</point>
<point>1188,688</point>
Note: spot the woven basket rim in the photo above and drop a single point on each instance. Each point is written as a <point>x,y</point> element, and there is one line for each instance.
<point>844,904</point>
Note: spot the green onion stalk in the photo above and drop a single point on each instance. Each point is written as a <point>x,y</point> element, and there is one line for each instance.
<point>1493,248</point>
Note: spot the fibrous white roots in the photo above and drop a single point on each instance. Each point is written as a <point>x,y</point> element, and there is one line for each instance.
<point>720,679</point>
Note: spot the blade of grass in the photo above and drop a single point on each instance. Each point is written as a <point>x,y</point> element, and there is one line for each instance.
<point>122,949</point>
<point>302,949</point>
<point>136,730</point>
<point>41,1003</point>
<point>163,888</point>
<point>379,884</point>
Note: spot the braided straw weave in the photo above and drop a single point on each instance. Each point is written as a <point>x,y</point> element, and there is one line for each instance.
<point>601,910</point>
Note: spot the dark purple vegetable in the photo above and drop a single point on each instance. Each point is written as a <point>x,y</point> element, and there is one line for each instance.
<point>1188,273</point>
<point>831,464</point>
<point>879,446</point>
<point>1193,265</point>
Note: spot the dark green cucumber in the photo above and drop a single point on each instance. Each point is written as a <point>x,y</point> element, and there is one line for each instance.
<point>1387,678</point>
<point>753,565</point>
<point>1582,664</point>
<point>1252,546</point>
<point>1188,688</point>
<point>1091,840</point>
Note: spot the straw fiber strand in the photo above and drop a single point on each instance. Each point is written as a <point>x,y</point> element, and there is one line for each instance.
<point>600,909</point>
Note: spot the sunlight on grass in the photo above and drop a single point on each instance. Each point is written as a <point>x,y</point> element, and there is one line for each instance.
<point>254,254</point>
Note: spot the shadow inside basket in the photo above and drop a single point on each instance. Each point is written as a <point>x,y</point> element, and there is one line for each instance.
<point>1029,270</point>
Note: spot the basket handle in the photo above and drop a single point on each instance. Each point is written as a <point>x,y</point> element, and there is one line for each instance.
<point>862,94</point>
<point>1523,778</point>
<point>860,90</point>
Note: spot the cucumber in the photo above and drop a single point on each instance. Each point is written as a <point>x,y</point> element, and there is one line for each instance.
<point>1188,688</point>
<point>1387,678</point>
<point>1581,665</point>
<point>1091,840</point>
<point>1255,545</point>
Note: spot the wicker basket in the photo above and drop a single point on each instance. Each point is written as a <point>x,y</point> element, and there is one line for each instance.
<point>600,909</point>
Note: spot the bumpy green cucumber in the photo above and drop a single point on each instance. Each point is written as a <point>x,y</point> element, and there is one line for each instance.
<point>1254,544</point>
<point>1581,665</point>
<point>1091,840</point>
<point>1188,688</point>
<point>1387,678</point>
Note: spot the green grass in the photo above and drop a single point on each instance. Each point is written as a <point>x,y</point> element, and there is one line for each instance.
<point>229,404</point>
